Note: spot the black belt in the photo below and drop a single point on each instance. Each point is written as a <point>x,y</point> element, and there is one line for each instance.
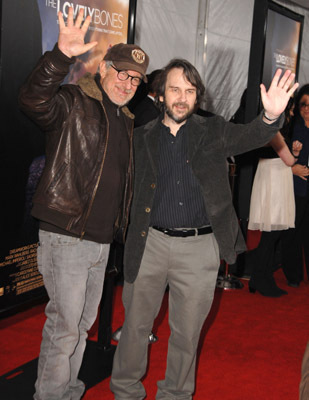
<point>184,232</point>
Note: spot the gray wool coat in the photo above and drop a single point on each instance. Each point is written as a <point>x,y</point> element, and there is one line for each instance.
<point>210,142</point>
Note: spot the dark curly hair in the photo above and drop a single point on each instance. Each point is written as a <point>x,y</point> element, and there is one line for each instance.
<point>190,73</point>
<point>304,90</point>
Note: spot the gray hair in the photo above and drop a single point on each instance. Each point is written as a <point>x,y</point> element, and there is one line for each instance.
<point>107,63</point>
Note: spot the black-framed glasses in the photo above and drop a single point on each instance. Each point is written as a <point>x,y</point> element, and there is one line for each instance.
<point>303,105</point>
<point>123,76</point>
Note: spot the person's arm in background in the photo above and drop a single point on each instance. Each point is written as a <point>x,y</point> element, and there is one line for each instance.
<point>281,148</point>
<point>302,171</point>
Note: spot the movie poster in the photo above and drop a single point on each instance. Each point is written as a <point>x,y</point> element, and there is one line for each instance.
<point>109,25</point>
<point>282,45</point>
<point>29,29</point>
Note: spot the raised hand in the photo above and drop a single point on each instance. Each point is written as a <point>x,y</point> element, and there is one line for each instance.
<point>71,40</point>
<point>276,98</point>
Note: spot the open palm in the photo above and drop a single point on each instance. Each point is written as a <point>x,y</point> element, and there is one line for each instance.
<point>276,98</point>
<point>71,40</point>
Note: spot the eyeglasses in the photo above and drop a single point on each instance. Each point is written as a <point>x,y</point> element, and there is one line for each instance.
<point>303,105</point>
<point>123,76</point>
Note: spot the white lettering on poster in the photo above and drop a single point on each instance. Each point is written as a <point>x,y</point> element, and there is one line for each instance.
<point>285,61</point>
<point>98,17</point>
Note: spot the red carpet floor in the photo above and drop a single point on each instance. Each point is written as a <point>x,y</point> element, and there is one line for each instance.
<point>251,347</point>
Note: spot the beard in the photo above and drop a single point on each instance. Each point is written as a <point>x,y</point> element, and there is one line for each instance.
<point>175,117</point>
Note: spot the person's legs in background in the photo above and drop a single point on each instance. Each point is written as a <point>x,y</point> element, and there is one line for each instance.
<point>292,240</point>
<point>305,239</point>
<point>262,278</point>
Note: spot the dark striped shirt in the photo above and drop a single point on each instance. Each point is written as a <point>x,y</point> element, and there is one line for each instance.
<point>178,201</point>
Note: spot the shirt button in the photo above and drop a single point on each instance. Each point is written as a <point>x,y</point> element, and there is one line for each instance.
<point>153,185</point>
<point>143,234</point>
<point>147,209</point>
<point>178,182</point>
<point>180,203</point>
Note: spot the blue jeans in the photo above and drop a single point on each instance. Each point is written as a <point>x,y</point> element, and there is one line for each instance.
<point>73,271</point>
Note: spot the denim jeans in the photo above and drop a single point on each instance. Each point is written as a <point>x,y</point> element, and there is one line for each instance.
<point>73,271</point>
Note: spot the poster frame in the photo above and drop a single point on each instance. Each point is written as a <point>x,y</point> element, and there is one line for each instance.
<point>24,17</point>
<point>287,13</point>
<point>131,22</point>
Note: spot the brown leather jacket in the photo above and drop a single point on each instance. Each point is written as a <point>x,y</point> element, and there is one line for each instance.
<point>77,131</point>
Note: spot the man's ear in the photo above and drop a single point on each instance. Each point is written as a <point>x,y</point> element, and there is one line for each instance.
<point>102,69</point>
<point>161,98</point>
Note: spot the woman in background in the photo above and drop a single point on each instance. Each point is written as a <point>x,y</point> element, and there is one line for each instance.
<point>272,208</point>
<point>295,241</point>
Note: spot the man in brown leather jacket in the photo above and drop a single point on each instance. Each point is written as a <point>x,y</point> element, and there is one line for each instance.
<point>84,192</point>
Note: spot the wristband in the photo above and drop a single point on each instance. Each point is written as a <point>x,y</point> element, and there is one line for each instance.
<point>269,119</point>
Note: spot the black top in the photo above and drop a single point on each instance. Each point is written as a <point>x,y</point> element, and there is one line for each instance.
<point>178,201</point>
<point>105,208</point>
<point>266,152</point>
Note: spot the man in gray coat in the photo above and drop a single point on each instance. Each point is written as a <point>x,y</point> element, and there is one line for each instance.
<point>182,223</point>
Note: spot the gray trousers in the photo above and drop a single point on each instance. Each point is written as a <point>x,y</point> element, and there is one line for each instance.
<point>190,267</point>
<point>73,271</point>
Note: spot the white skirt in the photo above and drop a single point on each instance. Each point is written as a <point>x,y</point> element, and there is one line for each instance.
<point>272,205</point>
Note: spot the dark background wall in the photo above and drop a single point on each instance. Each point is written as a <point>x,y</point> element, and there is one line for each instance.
<point>21,157</point>
<point>20,140</point>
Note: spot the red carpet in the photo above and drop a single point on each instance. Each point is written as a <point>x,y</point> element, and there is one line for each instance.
<point>251,347</point>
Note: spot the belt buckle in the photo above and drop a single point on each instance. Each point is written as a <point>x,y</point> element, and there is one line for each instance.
<point>185,232</point>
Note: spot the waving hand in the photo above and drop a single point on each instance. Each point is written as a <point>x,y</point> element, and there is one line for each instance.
<point>276,98</point>
<point>71,40</point>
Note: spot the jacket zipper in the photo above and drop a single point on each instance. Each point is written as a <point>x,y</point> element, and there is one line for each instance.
<point>129,183</point>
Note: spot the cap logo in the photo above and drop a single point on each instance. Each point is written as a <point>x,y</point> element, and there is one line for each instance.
<point>138,56</point>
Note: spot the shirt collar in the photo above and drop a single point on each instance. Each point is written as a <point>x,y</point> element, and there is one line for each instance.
<point>166,129</point>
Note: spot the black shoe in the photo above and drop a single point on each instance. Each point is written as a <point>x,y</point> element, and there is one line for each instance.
<point>266,288</point>
<point>293,284</point>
